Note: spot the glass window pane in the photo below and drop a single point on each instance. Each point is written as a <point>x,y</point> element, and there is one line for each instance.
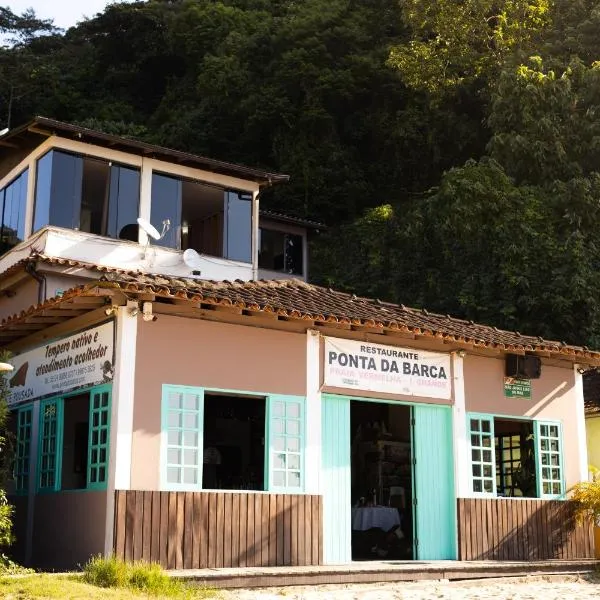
<point>174,438</point>
<point>190,457</point>
<point>477,470</point>
<point>174,456</point>
<point>292,427</point>
<point>488,486</point>
<point>293,444</point>
<point>474,425</point>
<point>190,475</point>
<point>271,253</point>
<point>238,227</point>
<point>544,430</point>
<point>293,254</point>
<point>94,188</point>
<point>123,203</point>
<point>279,443</point>
<point>190,438</point>
<point>175,400</point>
<point>166,205</point>
<point>553,431</point>
<point>279,478</point>
<point>544,445</point>
<point>13,220</point>
<point>191,402</point>
<point>476,455</point>
<point>41,215</point>
<point>65,198</point>
<point>278,426</point>
<point>173,475</point>
<point>475,440</point>
<point>556,488</point>
<point>174,420</point>
<point>486,441</point>
<point>487,470</point>
<point>279,461</point>
<point>278,409</point>
<point>190,421</point>
<point>554,445</point>
<point>293,479</point>
<point>485,426</point>
<point>293,410</point>
<point>487,456</point>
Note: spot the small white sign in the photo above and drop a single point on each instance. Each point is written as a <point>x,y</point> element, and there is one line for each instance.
<point>83,359</point>
<point>378,368</point>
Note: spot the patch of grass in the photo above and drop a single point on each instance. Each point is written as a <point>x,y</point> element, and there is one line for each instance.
<point>140,576</point>
<point>74,587</point>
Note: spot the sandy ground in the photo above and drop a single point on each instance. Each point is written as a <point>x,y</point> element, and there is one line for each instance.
<point>534,588</point>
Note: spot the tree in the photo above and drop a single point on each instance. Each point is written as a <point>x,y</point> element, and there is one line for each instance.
<point>21,62</point>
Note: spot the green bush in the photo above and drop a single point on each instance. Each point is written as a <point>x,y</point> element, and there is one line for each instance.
<point>6,537</point>
<point>149,578</point>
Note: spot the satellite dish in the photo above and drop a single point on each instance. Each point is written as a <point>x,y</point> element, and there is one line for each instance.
<point>192,259</point>
<point>148,228</point>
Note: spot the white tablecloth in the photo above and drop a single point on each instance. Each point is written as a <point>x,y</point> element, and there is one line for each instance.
<point>365,517</point>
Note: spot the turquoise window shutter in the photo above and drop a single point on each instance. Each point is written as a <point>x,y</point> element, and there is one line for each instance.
<point>50,446</point>
<point>182,437</point>
<point>483,458</point>
<point>434,483</point>
<point>549,455</point>
<point>285,447</point>
<point>22,450</point>
<point>99,438</point>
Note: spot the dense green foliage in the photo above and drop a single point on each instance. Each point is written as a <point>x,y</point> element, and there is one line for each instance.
<point>453,148</point>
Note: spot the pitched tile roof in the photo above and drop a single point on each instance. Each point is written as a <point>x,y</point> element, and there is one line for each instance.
<point>295,299</point>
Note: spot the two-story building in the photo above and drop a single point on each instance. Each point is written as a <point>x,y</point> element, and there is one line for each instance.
<point>172,401</point>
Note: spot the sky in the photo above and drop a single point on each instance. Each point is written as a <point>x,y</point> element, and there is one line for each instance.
<point>64,12</point>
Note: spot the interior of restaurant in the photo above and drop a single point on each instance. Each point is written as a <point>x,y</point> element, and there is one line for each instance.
<point>381,481</point>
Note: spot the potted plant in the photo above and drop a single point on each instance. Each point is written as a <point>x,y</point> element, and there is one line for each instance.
<point>586,496</point>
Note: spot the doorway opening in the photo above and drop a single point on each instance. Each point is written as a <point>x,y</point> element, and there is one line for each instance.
<point>381,481</point>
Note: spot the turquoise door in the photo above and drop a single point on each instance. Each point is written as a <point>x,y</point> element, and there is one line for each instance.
<point>435,536</point>
<point>335,482</point>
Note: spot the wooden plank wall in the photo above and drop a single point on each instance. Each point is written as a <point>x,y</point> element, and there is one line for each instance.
<point>511,529</point>
<point>195,530</point>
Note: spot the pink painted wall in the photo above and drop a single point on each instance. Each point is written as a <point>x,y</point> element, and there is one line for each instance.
<point>552,398</point>
<point>181,351</point>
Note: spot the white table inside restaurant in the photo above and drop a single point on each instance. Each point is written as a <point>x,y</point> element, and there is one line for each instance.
<point>367,517</point>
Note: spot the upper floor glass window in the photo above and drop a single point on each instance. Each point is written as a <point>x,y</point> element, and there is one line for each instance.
<point>87,194</point>
<point>13,199</point>
<point>208,219</point>
<point>280,251</point>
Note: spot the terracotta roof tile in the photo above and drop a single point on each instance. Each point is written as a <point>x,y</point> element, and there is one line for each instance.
<point>295,299</point>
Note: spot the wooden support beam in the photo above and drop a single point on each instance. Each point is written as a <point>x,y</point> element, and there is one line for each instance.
<point>82,321</point>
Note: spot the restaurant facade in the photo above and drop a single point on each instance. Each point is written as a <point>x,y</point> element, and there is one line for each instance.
<point>214,424</point>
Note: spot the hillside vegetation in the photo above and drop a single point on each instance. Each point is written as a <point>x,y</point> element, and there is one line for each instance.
<point>453,148</point>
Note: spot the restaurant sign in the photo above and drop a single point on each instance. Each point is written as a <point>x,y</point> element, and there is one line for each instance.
<point>388,369</point>
<point>80,360</point>
<point>517,388</point>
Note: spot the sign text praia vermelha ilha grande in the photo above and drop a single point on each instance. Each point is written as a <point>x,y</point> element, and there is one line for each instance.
<point>83,359</point>
<point>378,368</point>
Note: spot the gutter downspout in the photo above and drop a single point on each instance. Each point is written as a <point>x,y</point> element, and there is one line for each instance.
<point>41,279</point>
